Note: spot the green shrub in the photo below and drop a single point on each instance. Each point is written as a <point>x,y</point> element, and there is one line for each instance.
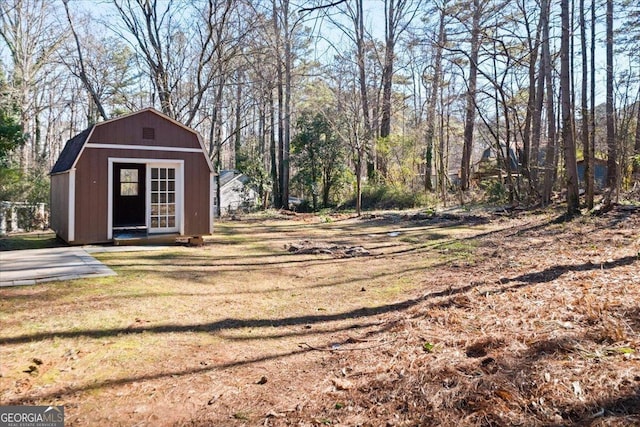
<point>494,191</point>
<point>390,197</point>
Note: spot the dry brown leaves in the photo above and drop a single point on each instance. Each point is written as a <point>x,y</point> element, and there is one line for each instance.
<point>541,328</point>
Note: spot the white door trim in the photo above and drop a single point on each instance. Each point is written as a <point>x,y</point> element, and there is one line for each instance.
<point>176,163</point>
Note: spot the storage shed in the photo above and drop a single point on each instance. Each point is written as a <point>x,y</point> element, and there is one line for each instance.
<point>142,174</point>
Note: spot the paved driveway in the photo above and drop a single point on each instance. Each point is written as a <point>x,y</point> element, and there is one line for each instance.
<point>33,266</point>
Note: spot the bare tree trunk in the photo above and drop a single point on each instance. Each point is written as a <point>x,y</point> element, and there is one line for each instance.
<point>237,137</point>
<point>612,149</point>
<point>284,61</point>
<point>280,91</point>
<point>273,152</point>
<point>214,149</point>
<point>31,37</point>
<point>573,201</point>
<point>550,153</point>
<point>592,115</point>
<point>362,77</point>
<point>536,133</point>
<point>586,145</point>
<point>147,33</point>
<point>215,117</point>
<point>470,115</point>
<point>37,140</point>
<point>262,146</point>
<point>280,136</point>
<point>513,193</point>
<point>433,99</point>
<point>636,149</point>
<point>360,156</point>
<point>326,186</point>
<point>538,104</point>
<point>82,74</point>
<point>531,144</point>
<point>26,129</point>
<point>387,68</point>
<point>288,60</point>
<point>443,177</point>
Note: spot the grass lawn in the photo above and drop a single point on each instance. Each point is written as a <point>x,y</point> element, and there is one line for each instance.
<point>453,320</point>
<point>30,240</point>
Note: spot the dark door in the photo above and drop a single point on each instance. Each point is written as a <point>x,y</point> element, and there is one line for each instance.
<point>129,196</point>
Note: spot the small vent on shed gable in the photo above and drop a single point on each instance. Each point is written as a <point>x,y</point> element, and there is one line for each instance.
<point>148,133</point>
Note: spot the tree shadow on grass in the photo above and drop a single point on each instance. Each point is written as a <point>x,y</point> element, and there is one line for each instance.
<point>149,377</point>
<point>624,409</point>
<point>223,324</point>
<point>378,247</point>
<point>619,215</point>
<point>623,404</point>
<point>200,369</point>
<point>544,276</point>
<point>193,274</point>
<point>552,273</point>
<point>619,406</point>
<point>296,333</point>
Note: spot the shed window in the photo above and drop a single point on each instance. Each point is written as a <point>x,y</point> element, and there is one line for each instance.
<point>128,182</point>
<point>148,133</point>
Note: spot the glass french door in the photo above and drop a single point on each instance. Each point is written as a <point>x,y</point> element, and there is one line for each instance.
<point>164,212</point>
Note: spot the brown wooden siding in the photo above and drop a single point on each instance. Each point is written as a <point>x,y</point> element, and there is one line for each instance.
<point>92,190</point>
<point>59,205</point>
<point>197,201</point>
<point>128,131</point>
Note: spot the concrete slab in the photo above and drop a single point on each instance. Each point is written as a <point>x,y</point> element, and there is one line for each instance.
<point>92,249</point>
<point>33,266</point>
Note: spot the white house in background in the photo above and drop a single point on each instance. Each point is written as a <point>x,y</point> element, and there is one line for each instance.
<point>236,193</point>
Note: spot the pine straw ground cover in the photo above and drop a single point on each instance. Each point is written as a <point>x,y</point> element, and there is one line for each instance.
<point>542,327</point>
<point>455,320</point>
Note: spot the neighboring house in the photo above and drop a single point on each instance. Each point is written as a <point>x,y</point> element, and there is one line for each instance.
<point>143,172</point>
<point>235,192</point>
<point>491,155</point>
<point>599,173</point>
<point>489,167</point>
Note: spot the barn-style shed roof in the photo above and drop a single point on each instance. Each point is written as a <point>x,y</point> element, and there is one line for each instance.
<point>71,151</point>
<point>73,147</point>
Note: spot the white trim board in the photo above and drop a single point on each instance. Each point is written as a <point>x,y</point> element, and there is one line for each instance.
<point>144,148</point>
<point>212,195</point>
<point>71,235</point>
